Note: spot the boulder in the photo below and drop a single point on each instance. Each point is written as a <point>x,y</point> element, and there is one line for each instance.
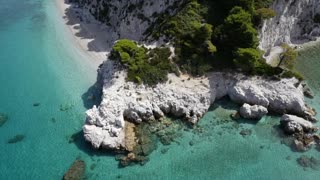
<point>253,112</point>
<point>294,124</point>
<point>279,96</point>
<point>293,127</point>
<point>307,92</point>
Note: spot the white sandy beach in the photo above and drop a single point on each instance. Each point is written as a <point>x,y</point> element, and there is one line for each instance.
<point>89,37</point>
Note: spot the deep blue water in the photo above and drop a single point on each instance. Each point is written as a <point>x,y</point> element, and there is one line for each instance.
<point>38,64</point>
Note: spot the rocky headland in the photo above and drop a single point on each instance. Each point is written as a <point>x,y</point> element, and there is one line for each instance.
<point>124,103</point>
<point>114,124</point>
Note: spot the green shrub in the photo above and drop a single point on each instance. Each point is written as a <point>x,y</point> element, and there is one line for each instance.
<point>288,57</point>
<point>144,66</point>
<point>262,3</point>
<point>262,14</point>
<point>238,30</point>
<point>265,13</point>
<point>191,36</point>
<point>247,59</point>
<point>290,74</point>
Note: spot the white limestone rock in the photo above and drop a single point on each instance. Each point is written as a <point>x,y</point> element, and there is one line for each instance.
<point>183,97</point>
<point>253,112</point>
<point>295,124</point>
<point>279,96</point>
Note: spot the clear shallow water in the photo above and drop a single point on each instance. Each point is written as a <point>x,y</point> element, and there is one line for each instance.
<point>38,65</point>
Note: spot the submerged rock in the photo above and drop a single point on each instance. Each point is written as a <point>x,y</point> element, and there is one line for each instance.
<point>36,104</point>
<point>308,162</point>
<point>66,107</point>
<point>253,112</point>
<point>303,142</point>
<point>76,171</point>
<point>131,159</point>
<point>164,150</point>
<point>93,166</point>
<point>3,119</point>
<point>235,116</point>
<point>246,132</point>
<point>16,139</point>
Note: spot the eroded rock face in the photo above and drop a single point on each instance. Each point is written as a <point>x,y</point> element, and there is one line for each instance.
<point>253,112</point>
<point>295,23</point>
<point>183,97</point>
<point>128,19</point>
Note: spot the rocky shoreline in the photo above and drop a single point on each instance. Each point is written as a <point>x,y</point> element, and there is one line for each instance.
<point>112,125</point>
<point>115,123</point>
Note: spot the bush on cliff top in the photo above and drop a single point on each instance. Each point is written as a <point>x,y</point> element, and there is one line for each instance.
<point>144,66</point>
<point>288,57</point>
<point>190,34</point>
<point>207,35</point>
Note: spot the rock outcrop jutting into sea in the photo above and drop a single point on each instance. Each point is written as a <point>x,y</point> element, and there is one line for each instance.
<point>183,97</point>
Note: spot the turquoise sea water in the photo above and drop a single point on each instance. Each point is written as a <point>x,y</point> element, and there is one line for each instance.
<point>39,65</point>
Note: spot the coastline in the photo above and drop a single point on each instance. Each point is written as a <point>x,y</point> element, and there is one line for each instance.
<point>307,45</point>
<point>277,50</point>
<point>87,39</point>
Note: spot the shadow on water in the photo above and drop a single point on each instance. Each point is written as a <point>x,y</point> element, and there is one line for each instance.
<point>78,139</point>
<point>225,103</point>
<point>92,96</point>
<point>95,32</point>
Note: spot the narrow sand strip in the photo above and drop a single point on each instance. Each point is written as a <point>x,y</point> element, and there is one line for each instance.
<point>90,37</point>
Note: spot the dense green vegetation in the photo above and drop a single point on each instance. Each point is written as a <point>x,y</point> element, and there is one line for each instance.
<point>144,66</point>
<point>192,36</point>
<point>207,35</point>
<point>215,34</point>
